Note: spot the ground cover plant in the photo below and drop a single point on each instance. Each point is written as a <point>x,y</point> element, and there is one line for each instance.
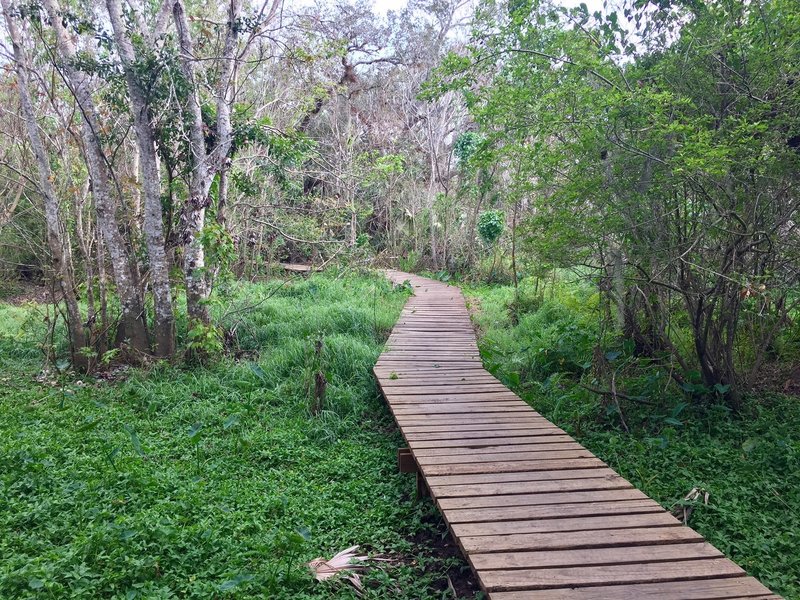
<point>543,344</point>
<point>214,481</point>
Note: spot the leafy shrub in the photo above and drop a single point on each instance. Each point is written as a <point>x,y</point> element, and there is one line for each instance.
<point>490,226</point>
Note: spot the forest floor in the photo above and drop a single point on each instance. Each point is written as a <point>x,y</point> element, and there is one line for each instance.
<point>543,348</point>
<point>217,481</point>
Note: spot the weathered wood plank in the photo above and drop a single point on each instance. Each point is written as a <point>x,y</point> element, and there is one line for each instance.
<point>468,442</point>
<point>586,484</point>
<point>621,555</point>
<point>602,538</point>
<point>492,457</point>
<point>542,498</point>
<point>475,478</point>
<point>684,570</point>
<point>506,449</point>
<point>566,524</point>
<point>717,589</point>
<point>552,511</point>
<point>510,466</point>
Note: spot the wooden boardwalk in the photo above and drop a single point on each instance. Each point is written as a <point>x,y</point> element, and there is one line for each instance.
<point>536,515</point>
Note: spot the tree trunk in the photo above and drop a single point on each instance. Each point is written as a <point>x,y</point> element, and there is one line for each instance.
<point>223,188</point>
<point>149,169</point>
<point>60,255</point>
<point>204,164</point>
<point>133,316</point>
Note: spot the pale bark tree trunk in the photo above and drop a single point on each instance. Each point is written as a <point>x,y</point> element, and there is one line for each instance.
<point>205,165</point>
<point>56,241</point>
<point>150,173</point>
<point>135,176</point>
<point>102,285</point>
<point>125,279</point>
<point>222,196</point>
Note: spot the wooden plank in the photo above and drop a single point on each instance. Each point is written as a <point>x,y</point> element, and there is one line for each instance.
<point>382,372</point>
<point>469,442</point>
<point>465,388</point>
<point>499,500</point>
<point>552,511</point>
<point>596,556</point>
<point>475,478</point>
<point>716,589</point>
<point>507,449</point>
<point>401,401</point>
<point>528,428</point>
<point>567,524</point>
<point>510,466</point>
<point>585,484</point>
<point>492,457</point>
<point>602,538</point>
<point>503,421</point>
<point>433,385</point>
<point>684,570</point>
<point>461,407</point>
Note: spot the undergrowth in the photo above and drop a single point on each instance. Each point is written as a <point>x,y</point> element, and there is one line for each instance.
<point>544,345</point>
<point>213,481</point>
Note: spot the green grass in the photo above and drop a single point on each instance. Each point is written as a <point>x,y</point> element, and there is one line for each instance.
<point>749,463</point>
<point>216,481</point>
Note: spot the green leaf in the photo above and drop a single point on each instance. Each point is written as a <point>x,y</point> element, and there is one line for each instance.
<point>137,445</point>
<point>230,421</point>
<point>89,424</point>
<point>194,432</point>
<point>35,584</point>
<point>257,371</point>
<point>749,445</point>
<point>232,584</point>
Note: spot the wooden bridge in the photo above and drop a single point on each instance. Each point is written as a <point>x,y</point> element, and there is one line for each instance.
<point>536,514</point>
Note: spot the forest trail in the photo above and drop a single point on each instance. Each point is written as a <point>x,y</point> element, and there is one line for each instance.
<point>536,514</point>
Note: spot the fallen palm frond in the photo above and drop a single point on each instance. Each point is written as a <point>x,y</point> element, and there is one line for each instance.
<point>683,510</point>
<point>345,563</point>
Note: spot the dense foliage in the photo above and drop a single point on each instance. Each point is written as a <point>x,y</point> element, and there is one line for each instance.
<point>216,482</point>
<point>657,149</point>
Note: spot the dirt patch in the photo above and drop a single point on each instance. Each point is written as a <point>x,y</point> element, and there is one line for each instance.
<point>460,579</point>
<point>474,309</point>
<point>781,378</point>
<point>18,293</point>
<point>435,548</point>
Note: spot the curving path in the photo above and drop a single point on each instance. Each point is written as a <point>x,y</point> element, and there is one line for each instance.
<point>536,514</point>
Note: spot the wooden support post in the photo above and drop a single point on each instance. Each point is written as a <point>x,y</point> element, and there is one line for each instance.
<point>422,487</point>
<point>407,464</point>
<point>405,461</point>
